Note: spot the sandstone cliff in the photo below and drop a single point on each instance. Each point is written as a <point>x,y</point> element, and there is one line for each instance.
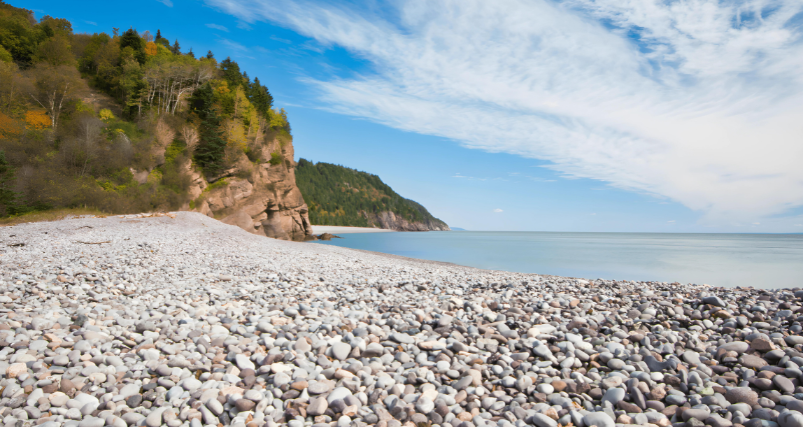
<point>261,198</point>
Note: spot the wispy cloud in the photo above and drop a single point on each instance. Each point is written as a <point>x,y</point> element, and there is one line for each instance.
<point>91,23</point>
<point>470,178</point>
<point>167,3</point>
<point>217,27</point>
<point>279,39</point>
<point>671,221</point>
<point>233,45</point>
<point>693,101</point>
<point>497,210</point>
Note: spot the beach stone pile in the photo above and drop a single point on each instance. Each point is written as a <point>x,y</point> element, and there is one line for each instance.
<point>185,321</point>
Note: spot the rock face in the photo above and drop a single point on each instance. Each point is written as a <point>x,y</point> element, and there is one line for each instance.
<point>390,221</point>
<point>261,198</point>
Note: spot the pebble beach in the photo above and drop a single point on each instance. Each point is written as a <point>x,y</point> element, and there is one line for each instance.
<point>181,320</point>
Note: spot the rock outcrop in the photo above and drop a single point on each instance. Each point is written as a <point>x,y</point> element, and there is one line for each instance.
<point>259,197</point>
<point>390,221</point>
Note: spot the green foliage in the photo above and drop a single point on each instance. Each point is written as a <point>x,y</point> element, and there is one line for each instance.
<point>260,97</point>
<point>231,73</point>
<point>174,150</point>
<point>217,184</point>
<point>337,195</point>
<point>106,115</point>
<point>5,56</point>
<point>131,39</point>
<point>10,203</point>
<point>253,155</point>
<point>275,158</point>
<point>78,159</point>
<point>19,33</point>
<point>211,146</point>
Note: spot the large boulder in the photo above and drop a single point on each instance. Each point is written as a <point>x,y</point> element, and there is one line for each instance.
<point>242,220</point>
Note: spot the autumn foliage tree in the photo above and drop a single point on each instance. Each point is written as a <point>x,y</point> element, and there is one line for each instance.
<point>53,87</point>
<point>65,144</point>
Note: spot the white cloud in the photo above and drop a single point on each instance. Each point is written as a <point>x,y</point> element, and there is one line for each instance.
<point>671,221</point>
<point>217,27</point>
<point>693,101</point>
<point>91,23</point>
<point>167,3</point>
<point>497,210</point>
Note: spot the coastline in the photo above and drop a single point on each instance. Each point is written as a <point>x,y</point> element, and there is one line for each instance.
<point>195,312</point>
<point>337,229</point>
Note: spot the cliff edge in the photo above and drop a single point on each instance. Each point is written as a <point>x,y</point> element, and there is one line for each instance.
<point>342,196</point>
<point>261,198</point>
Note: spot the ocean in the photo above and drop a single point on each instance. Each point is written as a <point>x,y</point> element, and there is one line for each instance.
<point>758,260</point>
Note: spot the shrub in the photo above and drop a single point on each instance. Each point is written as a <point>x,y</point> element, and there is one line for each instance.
<point>106,115</point>
<point>253,155</point>
<point>275,158</point>
<point>37,119</point>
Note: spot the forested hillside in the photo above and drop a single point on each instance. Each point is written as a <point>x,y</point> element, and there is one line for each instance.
<point>338,195</point>
<point>121,122</point>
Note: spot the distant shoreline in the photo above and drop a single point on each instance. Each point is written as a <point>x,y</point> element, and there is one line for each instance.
<point>336,229</point>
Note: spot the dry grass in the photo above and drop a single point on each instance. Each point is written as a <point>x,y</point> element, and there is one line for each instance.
<point>51,215</point>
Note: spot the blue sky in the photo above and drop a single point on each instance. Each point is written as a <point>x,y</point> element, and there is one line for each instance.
<point>581,115</point>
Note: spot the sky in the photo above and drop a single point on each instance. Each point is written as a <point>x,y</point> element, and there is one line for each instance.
<point>574,115</point>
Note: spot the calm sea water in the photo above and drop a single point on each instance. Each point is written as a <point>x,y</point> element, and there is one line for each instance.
<point>759,260</point>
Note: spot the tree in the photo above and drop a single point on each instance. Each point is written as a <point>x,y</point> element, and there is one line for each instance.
<point>12,96</point>
<point>151,49</point>
<point>211,147</point>
<point>19,36</point>
<point>190,135</point>
<point>133,85</point>
<point>210,55</point>
<point>164,134</point>
<point>191,54</point>
<point>176,49</point>
<point>53,87</point>
<point>131,39</point>
<point>158,34</point>
<point>55,51</point>
<point>171,77</point>
<point>5,56</point>
<point>231,73</point>
<point>9,199</point>
<point>89,132</point>
<point>54,26</point>
<point>260,97</point>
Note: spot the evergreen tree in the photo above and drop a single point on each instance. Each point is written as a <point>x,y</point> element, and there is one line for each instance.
<point>210,55</point>
<point>259,96</point>
<point>231,73</point>
<point>211,144</point>
<point>158,35</point>
<point>191,54</point>
<point>176,49</point>
<point>131,39</point>
<point>337,195</point>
